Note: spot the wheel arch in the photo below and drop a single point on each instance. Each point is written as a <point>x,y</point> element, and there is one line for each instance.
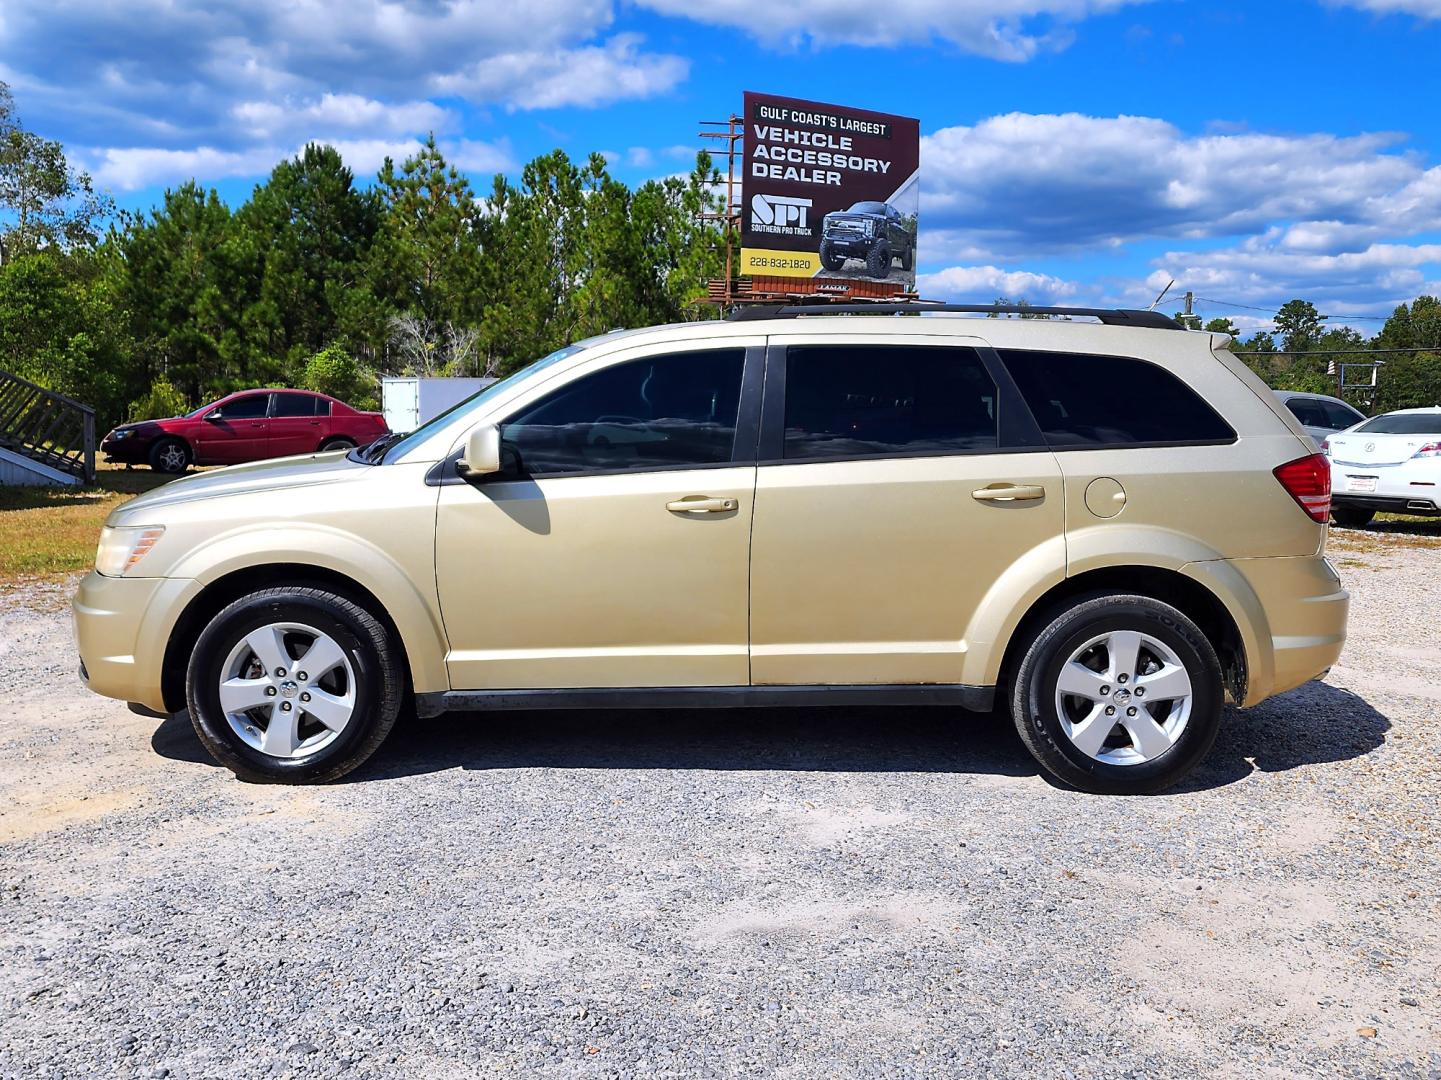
<point>1188,595</point>
<point>231,586</point>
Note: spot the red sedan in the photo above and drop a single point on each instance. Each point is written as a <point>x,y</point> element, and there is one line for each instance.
<point>248,426</point>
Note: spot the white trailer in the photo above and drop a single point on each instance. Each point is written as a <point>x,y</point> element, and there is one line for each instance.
<point>409,402</point>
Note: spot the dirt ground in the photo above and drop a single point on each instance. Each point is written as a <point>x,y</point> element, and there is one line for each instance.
<point>812,893</point>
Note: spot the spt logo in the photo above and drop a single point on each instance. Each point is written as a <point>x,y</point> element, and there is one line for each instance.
<point>772,213</point>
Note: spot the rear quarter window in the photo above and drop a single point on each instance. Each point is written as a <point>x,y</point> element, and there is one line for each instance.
<point>1092,400</point>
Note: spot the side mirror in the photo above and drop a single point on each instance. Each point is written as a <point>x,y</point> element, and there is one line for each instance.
<point>214,416</point>
<point>482,452</point>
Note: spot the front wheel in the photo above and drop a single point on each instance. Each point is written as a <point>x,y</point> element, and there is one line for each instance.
<point>1118,695</point>
<point>830,258</point>
<point>170,456</point>
<point>293,685</point>
<point>1352,517</point>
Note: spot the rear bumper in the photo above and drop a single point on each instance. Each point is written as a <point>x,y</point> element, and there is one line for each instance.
<point>1291,613</point>
<point>1391,504</point>
<point>122,626</point>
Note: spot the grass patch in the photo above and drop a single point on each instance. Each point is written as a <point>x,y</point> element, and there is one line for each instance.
<point>49,531</point>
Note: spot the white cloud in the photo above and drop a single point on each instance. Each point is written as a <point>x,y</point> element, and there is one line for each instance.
<point>1023,183</point>
<point>333,114</point>
<point>1425,9</point>
<point>982,284</point>
<point>130,168</point>
<point>589,76</point>
<point>209,85</point>
<point>1014,30</point>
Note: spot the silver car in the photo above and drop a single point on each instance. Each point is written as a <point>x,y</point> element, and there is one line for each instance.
<point>1320,415</point>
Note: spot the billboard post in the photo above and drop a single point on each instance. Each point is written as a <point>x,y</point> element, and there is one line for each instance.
<point>830,198</point>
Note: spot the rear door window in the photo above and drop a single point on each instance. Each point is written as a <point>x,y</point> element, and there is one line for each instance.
<point>1088,400</point>
<point>297,405</point>
<point>846,401</point>
<point>1339,417</point>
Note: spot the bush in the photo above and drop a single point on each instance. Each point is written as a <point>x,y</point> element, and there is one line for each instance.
<point>335,372</point>
<point>160,402</point>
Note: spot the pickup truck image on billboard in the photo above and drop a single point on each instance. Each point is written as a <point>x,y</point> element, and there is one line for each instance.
<point>829,191</point>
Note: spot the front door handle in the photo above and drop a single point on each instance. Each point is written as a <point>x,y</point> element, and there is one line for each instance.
<point>701,504</point>
<point>1006,493</point>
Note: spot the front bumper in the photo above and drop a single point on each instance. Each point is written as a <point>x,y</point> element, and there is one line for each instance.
<point>849,244</point>
<point>126,451</point>
<point>122,626</point>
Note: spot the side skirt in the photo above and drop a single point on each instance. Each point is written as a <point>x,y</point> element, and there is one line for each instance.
<point>974,698</point>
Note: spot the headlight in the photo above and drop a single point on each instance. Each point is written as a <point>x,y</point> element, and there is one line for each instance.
<point>124,546</point>
<point>122,434</point>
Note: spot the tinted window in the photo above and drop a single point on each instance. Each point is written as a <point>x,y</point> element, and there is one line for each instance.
<point>298,405</point>
<point>646,414</point>
<point>250,407</point>
<point>1084,400</point>
<point>1404,424</point>
<point>850,400</point>
<point>1339,416</point>
<point>1308,412</point>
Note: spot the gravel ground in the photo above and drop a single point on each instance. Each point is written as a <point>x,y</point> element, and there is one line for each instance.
<point>847,893</point>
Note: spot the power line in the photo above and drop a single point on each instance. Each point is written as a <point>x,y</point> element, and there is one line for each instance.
<point>1273,310</point>
<point>1362,351</point>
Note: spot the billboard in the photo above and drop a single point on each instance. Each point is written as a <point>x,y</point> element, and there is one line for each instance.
<point>829,191</point>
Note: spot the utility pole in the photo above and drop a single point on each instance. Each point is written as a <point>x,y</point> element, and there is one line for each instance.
<point>1188,318</point>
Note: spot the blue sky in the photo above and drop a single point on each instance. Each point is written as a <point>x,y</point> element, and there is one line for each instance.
<point>1074,150</point>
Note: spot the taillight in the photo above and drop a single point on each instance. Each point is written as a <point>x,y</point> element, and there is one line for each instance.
<point>1326,447</point>
<point>1308,481</point>
<point>1431,449</point>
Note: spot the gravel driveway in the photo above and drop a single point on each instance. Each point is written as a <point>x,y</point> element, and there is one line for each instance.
<point>780,894</point>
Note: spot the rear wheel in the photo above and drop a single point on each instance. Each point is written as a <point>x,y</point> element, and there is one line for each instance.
<point>337,443</point>
<point>1118,695</point>
<point>293,685</point>
<point>1352,517</point>
<point>878,261</point>
<point>170,456</point>
<point>908,259</point>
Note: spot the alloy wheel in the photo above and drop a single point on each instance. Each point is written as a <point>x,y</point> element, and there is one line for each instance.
<point>287,690</point>
<point>1123,698</point>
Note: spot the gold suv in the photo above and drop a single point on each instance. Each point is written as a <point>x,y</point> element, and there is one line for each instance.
<point>1108,525</point>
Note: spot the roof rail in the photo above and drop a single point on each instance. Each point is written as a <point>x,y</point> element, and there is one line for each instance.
<point>1110,316</point>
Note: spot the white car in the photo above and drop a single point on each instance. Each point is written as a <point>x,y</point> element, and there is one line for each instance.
<point>1390,462</point>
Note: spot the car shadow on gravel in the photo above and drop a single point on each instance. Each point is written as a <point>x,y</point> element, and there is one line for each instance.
<point>841,739</point>
<point>1313,724</point>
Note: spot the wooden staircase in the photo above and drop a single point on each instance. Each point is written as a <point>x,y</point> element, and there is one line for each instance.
<point>45,437</point>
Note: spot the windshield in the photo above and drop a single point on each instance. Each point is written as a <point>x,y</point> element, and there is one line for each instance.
<point>868,208</point>
<point>471,404</point>
<point>1403,424</point>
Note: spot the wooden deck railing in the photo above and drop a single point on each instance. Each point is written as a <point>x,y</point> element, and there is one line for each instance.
<point>47,427</point>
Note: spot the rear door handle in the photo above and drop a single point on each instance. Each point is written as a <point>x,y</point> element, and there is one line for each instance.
<point>1005,493</point>
<point>701,504</point>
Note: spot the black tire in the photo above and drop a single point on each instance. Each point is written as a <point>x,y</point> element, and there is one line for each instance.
<point>171,455</point>
<point>339,442</point>
<point>373,656</point>
<point>829,259</point>
<point>908,259</point>
<point>878,261</point>
<point>1352,517</point>
<point>1033,694</point>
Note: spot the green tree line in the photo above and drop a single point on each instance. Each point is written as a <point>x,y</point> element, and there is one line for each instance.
<point>318,280</point>
<point>1304,354</point>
